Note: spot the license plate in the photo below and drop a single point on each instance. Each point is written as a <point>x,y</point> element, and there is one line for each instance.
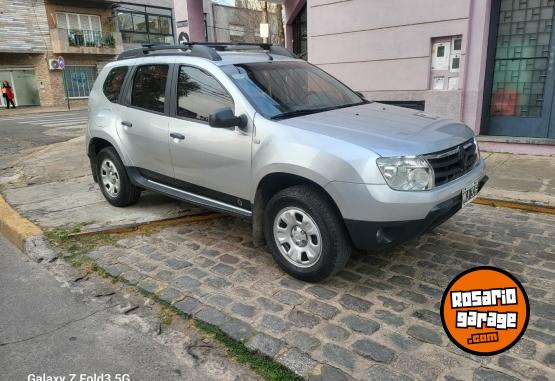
<point>469,193</point>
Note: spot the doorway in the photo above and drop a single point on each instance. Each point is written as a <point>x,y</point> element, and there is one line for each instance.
<point>24,86</point>
<point>520,93</point>
<point>300,41</point>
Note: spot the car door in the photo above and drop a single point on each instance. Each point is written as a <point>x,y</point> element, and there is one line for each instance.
<point>211,162</point>
<point>144,124</point>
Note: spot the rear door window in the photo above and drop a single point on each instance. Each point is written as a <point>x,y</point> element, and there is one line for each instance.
<point>113,83</point>
<point>149,87</point>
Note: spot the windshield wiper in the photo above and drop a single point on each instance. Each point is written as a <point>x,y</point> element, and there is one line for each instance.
<point>308,111</point>
<point>294,113</point>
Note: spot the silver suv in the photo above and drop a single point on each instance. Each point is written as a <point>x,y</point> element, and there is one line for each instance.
<point>251,131</point>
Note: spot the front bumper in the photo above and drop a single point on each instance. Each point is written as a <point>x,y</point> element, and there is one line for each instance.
<point>369,235</point>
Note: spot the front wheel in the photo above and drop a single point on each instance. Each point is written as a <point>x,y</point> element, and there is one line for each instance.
<point>306,234</point>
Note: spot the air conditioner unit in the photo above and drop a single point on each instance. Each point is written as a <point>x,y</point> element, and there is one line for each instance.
<point>53,64</point>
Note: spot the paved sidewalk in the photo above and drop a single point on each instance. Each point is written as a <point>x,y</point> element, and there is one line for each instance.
<point>520,178</point>
<point>28,110</point>
<point>52,186</point>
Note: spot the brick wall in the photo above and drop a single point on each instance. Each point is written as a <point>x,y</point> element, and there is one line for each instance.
<point>50,83</point>
<point>57,96</point>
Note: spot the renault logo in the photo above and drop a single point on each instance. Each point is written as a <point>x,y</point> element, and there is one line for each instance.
<point>463,159</point>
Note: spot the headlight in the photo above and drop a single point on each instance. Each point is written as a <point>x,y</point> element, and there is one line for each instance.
<point>406,173</point>
<point>477,150</point>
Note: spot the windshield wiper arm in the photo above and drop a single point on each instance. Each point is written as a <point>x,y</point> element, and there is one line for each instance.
<point>291,114</point>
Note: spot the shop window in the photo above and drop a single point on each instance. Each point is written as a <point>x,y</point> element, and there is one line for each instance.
<point>78,80</point>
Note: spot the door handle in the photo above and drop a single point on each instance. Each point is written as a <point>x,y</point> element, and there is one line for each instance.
<point>175,135</point>
<point>125,123</point>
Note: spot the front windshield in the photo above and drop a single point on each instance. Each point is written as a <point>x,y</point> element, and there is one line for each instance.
<point>281,89</point>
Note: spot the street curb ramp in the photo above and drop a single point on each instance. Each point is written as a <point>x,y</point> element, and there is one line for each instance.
<point>25,235</point>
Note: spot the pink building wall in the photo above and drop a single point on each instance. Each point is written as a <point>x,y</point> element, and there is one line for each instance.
<point>383,47</point>
<point>193,12</point>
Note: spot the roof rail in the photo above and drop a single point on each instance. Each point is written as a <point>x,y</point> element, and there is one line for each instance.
<point>208,50</point>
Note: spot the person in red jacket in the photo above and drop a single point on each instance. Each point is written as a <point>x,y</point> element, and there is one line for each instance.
<point>7,93</point>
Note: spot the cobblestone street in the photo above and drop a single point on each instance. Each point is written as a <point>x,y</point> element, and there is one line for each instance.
<point>378,319</point>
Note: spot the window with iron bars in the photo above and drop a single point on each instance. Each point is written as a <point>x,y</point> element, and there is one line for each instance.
<point>78,80</point>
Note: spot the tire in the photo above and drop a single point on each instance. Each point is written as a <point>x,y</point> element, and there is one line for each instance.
<point>113,179</point>
<point>287,215</point>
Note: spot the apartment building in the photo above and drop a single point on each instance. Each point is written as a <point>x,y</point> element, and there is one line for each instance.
<point>87,34</point>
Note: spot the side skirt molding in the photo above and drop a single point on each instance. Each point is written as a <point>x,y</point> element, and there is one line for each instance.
<point>139,180</point>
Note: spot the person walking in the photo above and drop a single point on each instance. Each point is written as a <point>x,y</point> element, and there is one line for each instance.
<point>7,93</point>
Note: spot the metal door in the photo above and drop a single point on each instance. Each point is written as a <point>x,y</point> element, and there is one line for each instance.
<point>521,69</point>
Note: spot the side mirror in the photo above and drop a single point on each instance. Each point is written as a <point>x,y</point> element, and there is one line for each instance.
<point>224,118</point>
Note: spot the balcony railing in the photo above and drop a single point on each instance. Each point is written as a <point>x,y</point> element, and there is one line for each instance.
<point>90,38</point>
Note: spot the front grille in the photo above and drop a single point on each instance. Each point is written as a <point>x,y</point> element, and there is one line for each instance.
<point>454,162</point>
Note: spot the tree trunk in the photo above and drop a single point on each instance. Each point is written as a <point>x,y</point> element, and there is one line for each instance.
<point>265,18</point>
<point>281,31</point>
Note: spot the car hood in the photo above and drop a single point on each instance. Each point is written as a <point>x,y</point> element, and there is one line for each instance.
<point>386,130</point>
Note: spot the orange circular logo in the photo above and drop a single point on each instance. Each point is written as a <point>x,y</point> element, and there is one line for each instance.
<point>485,310</point>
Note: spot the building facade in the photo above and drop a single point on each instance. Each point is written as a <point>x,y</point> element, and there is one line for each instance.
<point>488,63</point>
<point>87,34</point>
<point>207,21</point>
<point>232,24</point>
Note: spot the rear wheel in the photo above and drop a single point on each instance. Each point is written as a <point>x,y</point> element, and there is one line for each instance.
<point>306,234</point>
<point>113,179</point>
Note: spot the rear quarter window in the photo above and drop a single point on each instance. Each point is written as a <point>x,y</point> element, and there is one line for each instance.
<point>113,83</point>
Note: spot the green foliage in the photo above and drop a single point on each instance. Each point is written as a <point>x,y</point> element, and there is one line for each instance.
<point>165,315</point>
<point>108,40</point>
<point>266,367</point>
